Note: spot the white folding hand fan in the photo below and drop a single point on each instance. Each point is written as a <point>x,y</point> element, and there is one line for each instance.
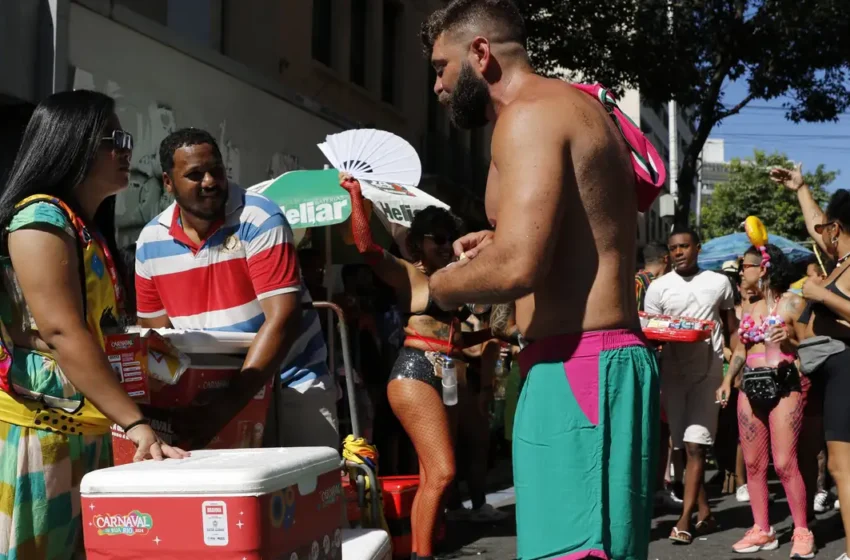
<point>373,155</point>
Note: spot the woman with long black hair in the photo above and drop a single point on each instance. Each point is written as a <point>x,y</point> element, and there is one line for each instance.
<point>61,293</point>
<point>414,389</point>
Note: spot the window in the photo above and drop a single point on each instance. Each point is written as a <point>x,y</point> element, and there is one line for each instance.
<point>198,20</point>
<point>358,42</point>
<point>392,19</point>
<point>322,31</point>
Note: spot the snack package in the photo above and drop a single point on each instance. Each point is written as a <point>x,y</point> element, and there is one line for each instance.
<point>140,361</point>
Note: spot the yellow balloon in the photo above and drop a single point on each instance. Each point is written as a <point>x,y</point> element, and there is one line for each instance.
<point>756,231</point>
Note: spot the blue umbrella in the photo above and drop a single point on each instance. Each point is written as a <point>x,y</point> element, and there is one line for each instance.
<point>729,247</point>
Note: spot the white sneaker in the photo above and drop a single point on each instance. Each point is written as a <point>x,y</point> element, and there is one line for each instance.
<point>742,494</point>
<point>822,504</point>
<point>487,514</point>
<point>843,557</point>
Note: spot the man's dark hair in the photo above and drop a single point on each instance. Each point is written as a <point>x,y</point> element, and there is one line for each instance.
<point>654,252</point>
<point>501,19</point>
<point>180,139</point>
<point>686,230</point>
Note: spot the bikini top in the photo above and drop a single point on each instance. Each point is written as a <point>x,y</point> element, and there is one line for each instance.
<point>751,333</point>
<point>806,315</point>
<point>433,310</point>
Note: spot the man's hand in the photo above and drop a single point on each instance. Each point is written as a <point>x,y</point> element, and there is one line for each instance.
<point>791,179</point>
<point>471,244</point>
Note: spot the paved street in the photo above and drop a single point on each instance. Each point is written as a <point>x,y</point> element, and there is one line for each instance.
<point>498,542</point>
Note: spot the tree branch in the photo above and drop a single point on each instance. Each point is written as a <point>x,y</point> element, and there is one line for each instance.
<point>734,110</point>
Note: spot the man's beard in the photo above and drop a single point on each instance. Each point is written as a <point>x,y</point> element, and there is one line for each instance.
<point>470,99</point>
<point>198,211</point>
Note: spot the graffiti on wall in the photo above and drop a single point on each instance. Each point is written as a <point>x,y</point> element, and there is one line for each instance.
<point>150,122</point>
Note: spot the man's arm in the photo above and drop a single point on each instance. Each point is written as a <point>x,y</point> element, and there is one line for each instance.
<point>150,309</point>
<point>529,151</point>
<point>279,331</point>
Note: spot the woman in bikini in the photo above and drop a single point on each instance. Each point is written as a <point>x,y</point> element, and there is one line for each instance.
<point>414,389</point>
<point>770,424</point>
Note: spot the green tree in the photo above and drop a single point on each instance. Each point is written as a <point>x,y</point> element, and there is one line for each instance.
<point>794,48</point>
<point>749,192</point>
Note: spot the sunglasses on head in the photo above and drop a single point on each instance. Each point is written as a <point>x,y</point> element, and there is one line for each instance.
<point>121,140</point>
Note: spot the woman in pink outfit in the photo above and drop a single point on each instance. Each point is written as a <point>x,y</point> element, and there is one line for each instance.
<point>770,409</point>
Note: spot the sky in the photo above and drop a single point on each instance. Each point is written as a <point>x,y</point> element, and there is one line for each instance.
<point>762,125</point>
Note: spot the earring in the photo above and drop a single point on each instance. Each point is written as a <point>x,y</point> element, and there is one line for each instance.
<point>835,241</point>
<point>761,284</point>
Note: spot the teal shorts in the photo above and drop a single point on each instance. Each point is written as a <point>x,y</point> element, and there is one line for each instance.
<point>585,447</point>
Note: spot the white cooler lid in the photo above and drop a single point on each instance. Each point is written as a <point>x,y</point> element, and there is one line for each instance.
<point>217,472</point>
<point>365,544</point>
<point>206,342</point>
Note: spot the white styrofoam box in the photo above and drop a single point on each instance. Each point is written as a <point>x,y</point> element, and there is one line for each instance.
<point>366,544</point>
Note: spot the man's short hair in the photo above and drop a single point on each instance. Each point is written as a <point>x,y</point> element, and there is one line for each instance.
<point>686,230</point>
<point>654,252</point>
<point>501,19</point>
<point>180,139</point>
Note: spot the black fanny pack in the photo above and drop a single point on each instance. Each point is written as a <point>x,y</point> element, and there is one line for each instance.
<point>764,385</point>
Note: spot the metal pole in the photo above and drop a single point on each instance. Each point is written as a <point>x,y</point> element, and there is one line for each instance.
<point>699,193</point>
<point>673,129</point>
<point>329,288</point>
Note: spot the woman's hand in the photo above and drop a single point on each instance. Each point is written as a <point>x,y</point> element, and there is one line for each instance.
<point>777,334</point>
<point>723,392</point>
<point>148,445</point>
<point>791,179</point>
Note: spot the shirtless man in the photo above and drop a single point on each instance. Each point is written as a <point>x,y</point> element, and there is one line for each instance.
<point>560,192</point>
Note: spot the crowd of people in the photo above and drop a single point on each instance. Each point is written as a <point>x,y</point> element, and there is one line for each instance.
<point>730,400</point>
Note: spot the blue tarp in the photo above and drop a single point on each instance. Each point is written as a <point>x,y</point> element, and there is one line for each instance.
<point>729,247</point>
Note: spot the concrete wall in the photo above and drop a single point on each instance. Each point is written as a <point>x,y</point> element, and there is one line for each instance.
<point>159,89</point>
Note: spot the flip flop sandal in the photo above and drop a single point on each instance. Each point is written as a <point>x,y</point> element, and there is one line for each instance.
<point>680,537</point>
<point>706,526</point>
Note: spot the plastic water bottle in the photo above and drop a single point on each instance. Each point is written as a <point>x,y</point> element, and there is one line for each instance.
<point>772,351</point>
<point>501,375</point>
<point>449,382</point>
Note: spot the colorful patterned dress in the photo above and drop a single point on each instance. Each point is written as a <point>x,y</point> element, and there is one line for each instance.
<point>50,435</point>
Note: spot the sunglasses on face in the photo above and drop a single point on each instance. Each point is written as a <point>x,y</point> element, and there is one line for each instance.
<point>747,266</point>
<point>121,140</point>
<point>439,238</point>
<point>819,228</point>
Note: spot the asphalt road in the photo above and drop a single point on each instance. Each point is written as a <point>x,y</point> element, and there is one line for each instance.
<point>498,542</point>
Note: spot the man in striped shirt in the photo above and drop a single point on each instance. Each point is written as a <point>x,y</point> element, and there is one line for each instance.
<point>223,259</point>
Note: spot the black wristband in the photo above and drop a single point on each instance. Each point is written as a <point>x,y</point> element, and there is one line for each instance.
<point>136,423</point>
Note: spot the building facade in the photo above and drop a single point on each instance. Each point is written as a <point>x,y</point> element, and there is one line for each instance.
<point>269,79</point>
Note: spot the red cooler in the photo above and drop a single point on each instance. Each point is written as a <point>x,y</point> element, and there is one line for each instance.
<point>239,504</point>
